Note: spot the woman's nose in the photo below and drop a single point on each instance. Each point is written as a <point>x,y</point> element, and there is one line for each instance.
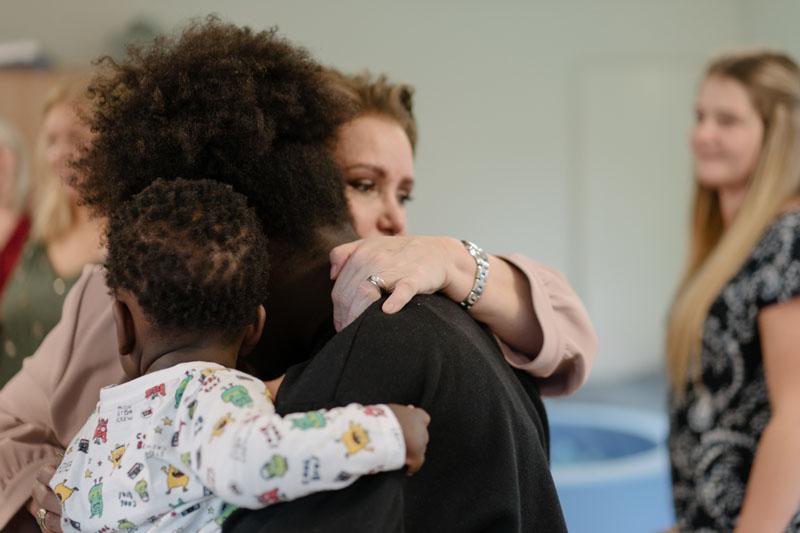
<point>393,218</point>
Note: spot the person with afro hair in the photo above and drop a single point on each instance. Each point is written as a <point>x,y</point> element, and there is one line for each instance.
<point>250,110</point>
<point>187,268</point>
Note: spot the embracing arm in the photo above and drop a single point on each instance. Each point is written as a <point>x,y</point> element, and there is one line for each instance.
<point>543,326</point>
<point>773,490</point>
<point>49,399</point>
<point>253,457</point>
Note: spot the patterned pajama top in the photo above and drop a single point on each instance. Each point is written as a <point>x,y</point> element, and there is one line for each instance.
<point>179,449</point>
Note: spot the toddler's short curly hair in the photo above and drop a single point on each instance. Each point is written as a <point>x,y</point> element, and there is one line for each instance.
<point>192,253</point>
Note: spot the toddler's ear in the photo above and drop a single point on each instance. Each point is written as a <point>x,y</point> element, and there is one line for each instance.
<point>253,332</point>
<point>126,334</point>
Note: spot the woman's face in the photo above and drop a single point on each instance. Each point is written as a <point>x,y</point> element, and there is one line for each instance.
<point>64,135</point>
<point>727,135</point>
<point>377,162</point>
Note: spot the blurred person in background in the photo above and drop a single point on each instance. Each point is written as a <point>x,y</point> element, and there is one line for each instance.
<point>14,195</point>
<point>733,339</point>
<point>62,238</point>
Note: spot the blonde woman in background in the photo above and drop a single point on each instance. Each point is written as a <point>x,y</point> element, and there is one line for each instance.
<point>62,240</point>
<point>14,221</point>
<point>733,340</point>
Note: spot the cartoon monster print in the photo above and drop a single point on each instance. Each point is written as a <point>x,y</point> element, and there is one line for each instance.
<point>272,435</point>
<point>135,470</point>
<point>311,470</point>
<point>191,408</point>
<point>63,492</point>
<point>237,395</point>
<point>208,379</point>
<point>225,511</point>
<point>175,478</point>
<point>177,504</point>
<point>83,445</point>
<point>220,425</point>
<point>343,476</point>
<point>181,389</point>
<point>374,410</point>
<point>270,497</point>
<point>154,392</point>
<point>124,523</point>
<point>355,439</point>
<point>313,419</point>
<point>176,436</point>
<point>101,431</point>
<point>190,510</point>
<point>276,467</point>
<point>141,490</point>
<point>96,499</point>
<point>116,456</point>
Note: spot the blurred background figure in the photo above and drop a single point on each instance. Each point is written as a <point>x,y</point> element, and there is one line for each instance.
<point>733,343</point>
<point>62,238</point>
<point>14,195</point>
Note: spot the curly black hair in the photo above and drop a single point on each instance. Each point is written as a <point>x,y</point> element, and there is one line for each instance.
<point>219,102</point>
<point>192,253</point>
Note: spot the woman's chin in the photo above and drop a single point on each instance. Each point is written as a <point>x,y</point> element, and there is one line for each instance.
<point>717,180</point>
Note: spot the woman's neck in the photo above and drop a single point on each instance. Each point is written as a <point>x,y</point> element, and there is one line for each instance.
<point>77,246</point>
<point>730,201</point>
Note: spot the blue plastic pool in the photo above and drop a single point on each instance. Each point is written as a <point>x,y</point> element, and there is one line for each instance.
<point>611,467</point>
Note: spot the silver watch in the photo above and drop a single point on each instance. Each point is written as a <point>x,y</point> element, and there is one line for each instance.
<point>481,273</point>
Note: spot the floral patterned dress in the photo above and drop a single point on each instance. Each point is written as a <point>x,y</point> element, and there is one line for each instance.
<point>716,426</point>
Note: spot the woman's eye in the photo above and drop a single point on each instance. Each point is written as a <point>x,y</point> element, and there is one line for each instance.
<point>404,198</point>
<point>699,117</point>
<point>362,185</point>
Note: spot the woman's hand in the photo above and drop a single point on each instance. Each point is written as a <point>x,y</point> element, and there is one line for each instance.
<point>407,265</point>
<point>44,498</point>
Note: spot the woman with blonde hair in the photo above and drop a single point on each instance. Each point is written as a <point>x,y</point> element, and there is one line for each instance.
<point>540,322</point>
<point>733,341</point>
<point>14,195</point>
<point>62,239</point>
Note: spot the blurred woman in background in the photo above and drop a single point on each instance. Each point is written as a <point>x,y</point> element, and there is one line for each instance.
<point>14,195</point>
<point>62,239</point>
<point>733,340</point>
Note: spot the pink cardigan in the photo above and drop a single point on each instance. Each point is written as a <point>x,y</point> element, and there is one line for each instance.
<point>46,403</point>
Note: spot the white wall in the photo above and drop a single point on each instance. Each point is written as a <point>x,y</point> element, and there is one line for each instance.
<point>557,129</point>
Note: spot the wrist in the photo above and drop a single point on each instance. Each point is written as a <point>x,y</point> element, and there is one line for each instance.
<point>460,270</point>
<point>481,274</point>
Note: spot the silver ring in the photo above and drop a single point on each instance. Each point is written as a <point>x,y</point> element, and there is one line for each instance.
<point>377,281</point>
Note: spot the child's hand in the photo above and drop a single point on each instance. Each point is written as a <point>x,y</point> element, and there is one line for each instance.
<point>414,423</point>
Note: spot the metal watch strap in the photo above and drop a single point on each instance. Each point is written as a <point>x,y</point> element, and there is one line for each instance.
<point>481,273</point>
